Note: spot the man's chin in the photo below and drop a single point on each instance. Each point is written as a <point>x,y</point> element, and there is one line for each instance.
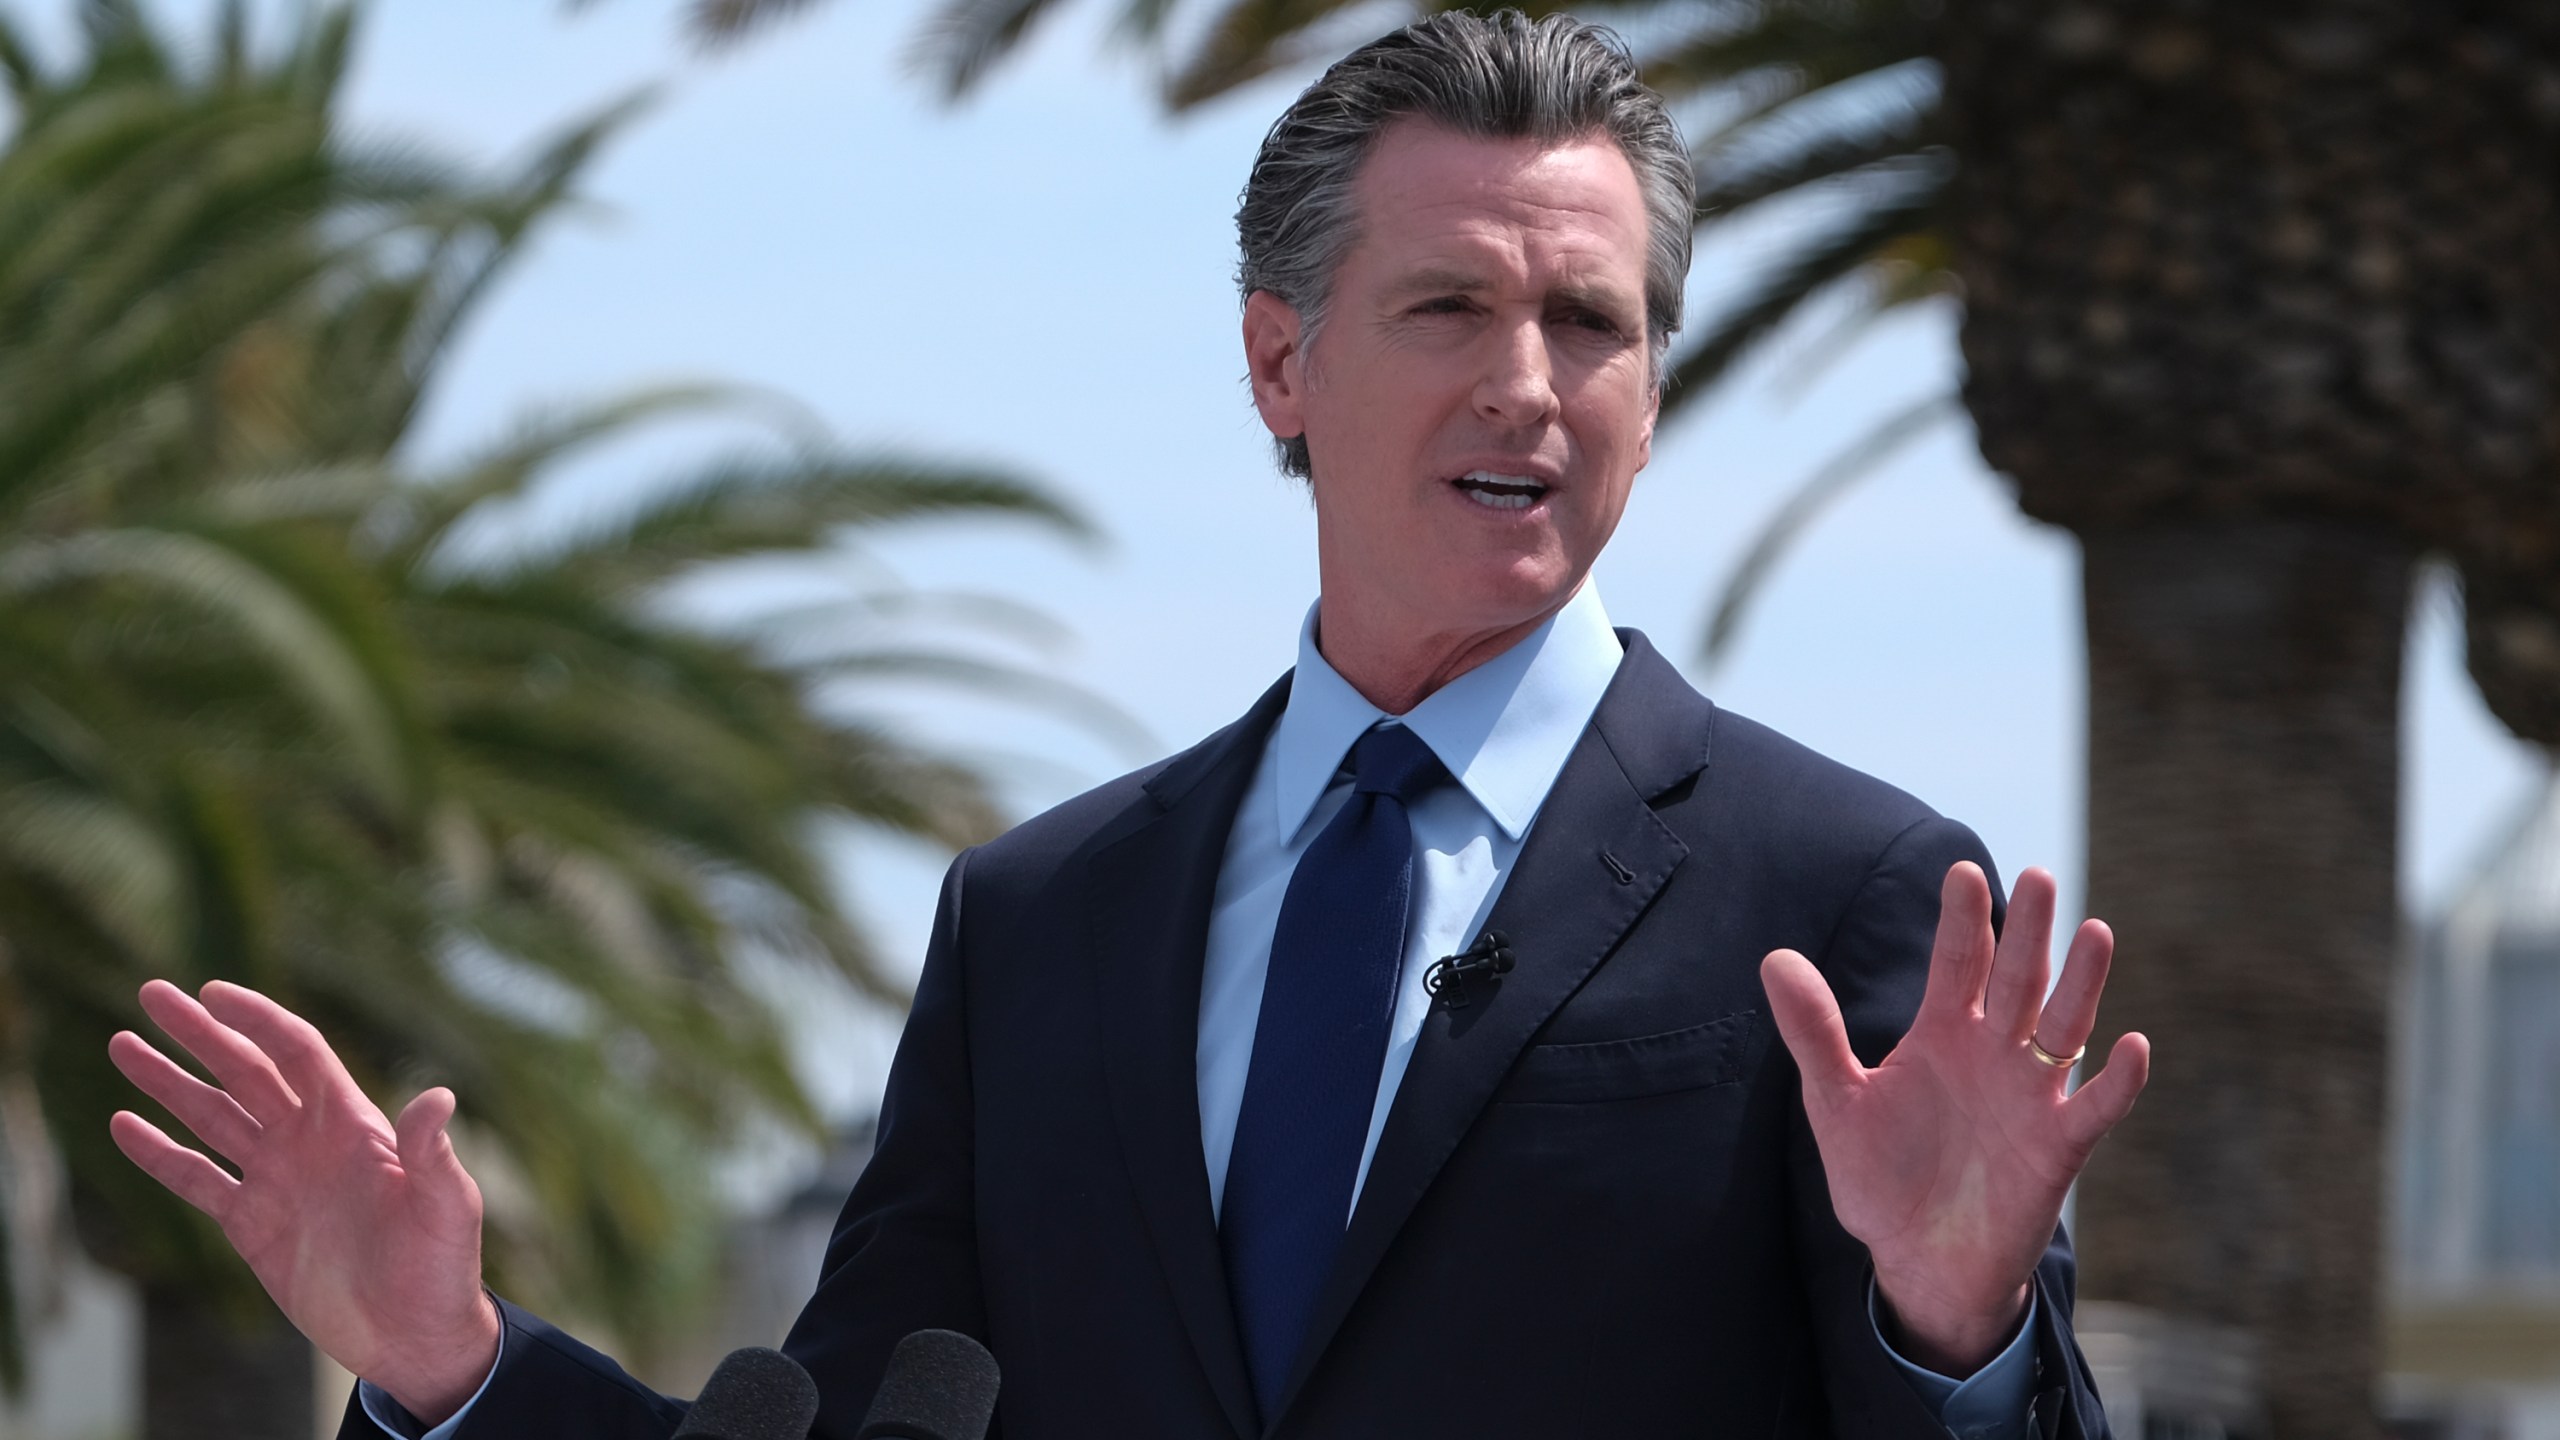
<point>1475,599</point>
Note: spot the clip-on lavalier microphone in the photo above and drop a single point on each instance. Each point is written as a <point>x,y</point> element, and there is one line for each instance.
<point>1490,958</point>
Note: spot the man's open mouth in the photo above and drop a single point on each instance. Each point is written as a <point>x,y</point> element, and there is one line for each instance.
<point>1500,492</point>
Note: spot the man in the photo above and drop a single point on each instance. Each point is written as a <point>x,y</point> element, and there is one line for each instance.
<point>1398,1060</point>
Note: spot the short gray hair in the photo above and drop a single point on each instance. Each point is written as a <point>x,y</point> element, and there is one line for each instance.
<point>1498,76</point>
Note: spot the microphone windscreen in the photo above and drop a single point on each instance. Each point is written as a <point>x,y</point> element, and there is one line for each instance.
<point>756,1394</point>
<point>940,1385</point>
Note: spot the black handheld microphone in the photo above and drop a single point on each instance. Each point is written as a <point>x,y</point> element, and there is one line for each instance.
<point>940,1385</point>
<point>756,1394</point>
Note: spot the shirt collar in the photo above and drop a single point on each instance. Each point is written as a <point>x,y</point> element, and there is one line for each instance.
<point>1504,729</point>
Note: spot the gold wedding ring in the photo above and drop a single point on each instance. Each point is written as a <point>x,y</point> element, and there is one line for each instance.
<point>2058,1062</point>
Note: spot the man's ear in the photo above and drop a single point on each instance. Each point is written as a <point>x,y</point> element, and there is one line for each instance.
<point>1275,364</point>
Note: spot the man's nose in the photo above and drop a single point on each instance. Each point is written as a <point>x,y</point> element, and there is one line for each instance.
<point>1518,385</point>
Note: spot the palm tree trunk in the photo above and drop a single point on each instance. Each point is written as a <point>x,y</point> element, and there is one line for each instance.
<point>209,1371</point>
<point>2244,776</point>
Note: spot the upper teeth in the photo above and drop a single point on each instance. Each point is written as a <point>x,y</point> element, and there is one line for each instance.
<point>1502,492</point>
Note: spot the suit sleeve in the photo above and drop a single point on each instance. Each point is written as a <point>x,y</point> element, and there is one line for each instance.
<point>1877,963</point>
<point>904,1258</point>
<point>905,1252</point>
<point>547,1382</point>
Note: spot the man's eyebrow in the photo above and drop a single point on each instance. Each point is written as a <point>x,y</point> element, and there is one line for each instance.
<point>1597,295</point>
<point>1451,280</point>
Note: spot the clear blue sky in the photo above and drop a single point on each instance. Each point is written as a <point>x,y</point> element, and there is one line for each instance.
<point>1042,279</point>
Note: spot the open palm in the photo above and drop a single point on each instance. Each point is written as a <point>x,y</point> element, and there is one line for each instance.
<point>366,1233</point>
<point>1951,1159</point>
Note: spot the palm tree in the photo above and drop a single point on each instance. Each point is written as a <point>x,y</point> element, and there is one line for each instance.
<point>2260,303</point>
<point>276,706</point>
<point>2261,308</point>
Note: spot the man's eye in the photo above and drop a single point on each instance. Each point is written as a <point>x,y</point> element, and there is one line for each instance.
<point>1442,305</point>
<point>1594,321</point>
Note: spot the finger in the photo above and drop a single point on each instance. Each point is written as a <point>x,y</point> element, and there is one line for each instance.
<point>1961,959</point>
<point>215,1117</point>
<point>1808,1019</point>
<point>189,1176</point>
<point>293,1043</point>
<point>2072,1015</point>
<point>2109,1095</point>
<point>426,1148</point>
<point>2024,958</point>
<point>241,1066</point>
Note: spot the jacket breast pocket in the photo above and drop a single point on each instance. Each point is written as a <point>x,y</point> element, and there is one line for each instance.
<point>1584,1072</point>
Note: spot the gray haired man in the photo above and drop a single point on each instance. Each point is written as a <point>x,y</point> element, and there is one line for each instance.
<point>1484,1035</point>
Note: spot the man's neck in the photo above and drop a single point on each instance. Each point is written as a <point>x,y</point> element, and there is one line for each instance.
<point>1395,668</point>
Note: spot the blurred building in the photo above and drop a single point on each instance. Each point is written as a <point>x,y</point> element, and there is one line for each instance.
<point>83,1352</point>
<point>2474,1340</point>
<point>769,1265</point>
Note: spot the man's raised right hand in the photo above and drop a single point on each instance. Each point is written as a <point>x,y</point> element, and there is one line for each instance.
<point>367,1234</point>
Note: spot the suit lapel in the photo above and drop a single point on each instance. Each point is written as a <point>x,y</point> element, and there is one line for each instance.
<point>1593,862</point>
<point>1150,888</point>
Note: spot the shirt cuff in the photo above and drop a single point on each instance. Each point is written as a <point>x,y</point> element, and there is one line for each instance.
<point>395,1419</point>
<point>1993,1404</point>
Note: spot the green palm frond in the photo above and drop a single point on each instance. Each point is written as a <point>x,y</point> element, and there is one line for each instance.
<point>1878,221</point>
<point>317,66</point>
<point>756,506</point>
<point>116,865</point>
<point>803,628</point>
<point>1247,40</point>
<point>986,677</point>
<point>1798,45</point>
<point>1910,271</point>
<point>273,617</point>
<point>231,59</point>
<point>722,22</point>
<point>18,65</point>
<point>962,40</point>
<point>1143,21</point>
<point>422,517</point>
<point>1854,462</point>
<point>401,322</point>
<point>332,494</point>
<point>1798,145</point>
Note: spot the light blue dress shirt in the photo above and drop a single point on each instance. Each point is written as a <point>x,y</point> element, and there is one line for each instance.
<point>385,1412</point>
<point>1504,731</point>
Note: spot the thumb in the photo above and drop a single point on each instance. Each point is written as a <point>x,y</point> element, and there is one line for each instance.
<point>426,1151</point>
<point>1808,1020</point>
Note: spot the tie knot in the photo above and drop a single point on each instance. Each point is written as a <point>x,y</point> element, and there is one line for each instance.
<point>1391,760</point>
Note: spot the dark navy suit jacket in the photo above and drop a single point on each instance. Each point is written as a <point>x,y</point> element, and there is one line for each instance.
<point>1596,1208</point>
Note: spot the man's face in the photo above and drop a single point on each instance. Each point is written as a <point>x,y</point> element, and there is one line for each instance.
<point>1478,400</point>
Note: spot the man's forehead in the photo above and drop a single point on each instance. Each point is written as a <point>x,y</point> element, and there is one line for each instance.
<point>1428,184</point>
<point>1444,234</point>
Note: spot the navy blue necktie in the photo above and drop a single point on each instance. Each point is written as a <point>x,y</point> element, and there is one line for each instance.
<point>1317,1052</point>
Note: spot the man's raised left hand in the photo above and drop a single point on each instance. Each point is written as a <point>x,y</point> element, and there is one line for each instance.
<point>1950,1160</point>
